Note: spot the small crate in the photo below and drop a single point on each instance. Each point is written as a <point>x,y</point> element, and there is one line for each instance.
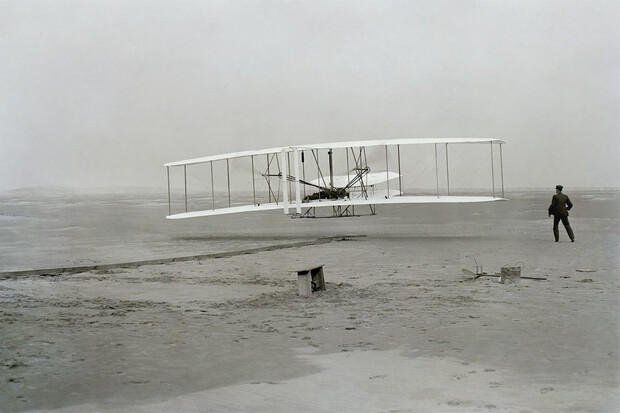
<point>310,280</point>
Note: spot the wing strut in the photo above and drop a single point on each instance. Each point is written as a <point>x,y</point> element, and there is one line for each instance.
<point>284,173</point>
<point>297,186</point>
<point>492,171</point>
<point>447,171</point>
<point>331,169</point>
<point>501,167</point>
<point>169,201</point>
<point>347,153</point>
<point>212,188</point>
<point>400,179</point>
<point>303,167</point>
<point>387,171</point>
<point>228,179</point>
<point>253,182</point>
<point>436,171</point>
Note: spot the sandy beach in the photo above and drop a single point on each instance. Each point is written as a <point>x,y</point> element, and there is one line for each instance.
<point>399,328</point>
<point>161,166</point>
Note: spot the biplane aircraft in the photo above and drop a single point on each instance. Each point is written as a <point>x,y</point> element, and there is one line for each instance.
<point>340,176</point>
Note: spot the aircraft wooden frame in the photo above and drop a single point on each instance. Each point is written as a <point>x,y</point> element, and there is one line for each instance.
<point>339,175</point>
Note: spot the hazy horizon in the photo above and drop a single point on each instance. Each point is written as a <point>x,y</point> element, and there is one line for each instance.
<point>126,190</point>
<point>100,94</point>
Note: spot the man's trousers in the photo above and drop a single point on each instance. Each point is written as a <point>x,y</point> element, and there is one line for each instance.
<point>556,231</point>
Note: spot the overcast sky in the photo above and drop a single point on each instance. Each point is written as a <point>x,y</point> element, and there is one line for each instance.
<point>102,93</point>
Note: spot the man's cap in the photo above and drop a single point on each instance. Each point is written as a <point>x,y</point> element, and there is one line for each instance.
<point>560,187</point>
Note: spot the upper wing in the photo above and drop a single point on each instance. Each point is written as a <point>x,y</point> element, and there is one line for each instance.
<point>335,145</point>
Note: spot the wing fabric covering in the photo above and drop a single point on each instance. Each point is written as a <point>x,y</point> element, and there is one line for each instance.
<point>337,175</point>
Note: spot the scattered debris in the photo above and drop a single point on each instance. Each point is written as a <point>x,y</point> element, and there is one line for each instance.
<point>510,273</point>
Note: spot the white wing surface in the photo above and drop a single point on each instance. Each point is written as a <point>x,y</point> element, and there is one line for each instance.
<point>338,175</point>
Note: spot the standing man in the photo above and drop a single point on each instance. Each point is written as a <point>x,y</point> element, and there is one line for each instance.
<point>560,205</point>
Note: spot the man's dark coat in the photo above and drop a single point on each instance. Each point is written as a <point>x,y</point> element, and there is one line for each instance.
<point>560,205</point>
